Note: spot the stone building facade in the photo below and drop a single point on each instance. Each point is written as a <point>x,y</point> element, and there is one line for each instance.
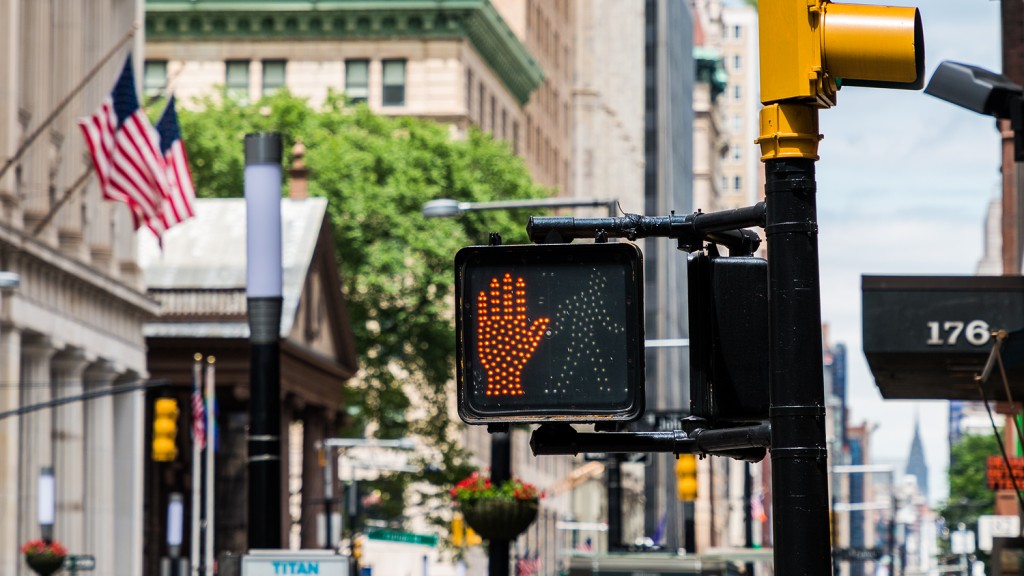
<point>74,325</point>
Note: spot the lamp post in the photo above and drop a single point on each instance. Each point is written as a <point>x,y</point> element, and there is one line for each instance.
<point>449,208</point>
<point>47,508</point>
<point>992,94</point>
<point>501,441</point>
<point>264,300</point>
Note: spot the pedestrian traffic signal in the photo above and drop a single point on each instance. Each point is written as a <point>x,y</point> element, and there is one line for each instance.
<point>165,429</point>
<point>812,48</point>
<point>550,332</point>
<point>686,477</point>
<point>728,312</point>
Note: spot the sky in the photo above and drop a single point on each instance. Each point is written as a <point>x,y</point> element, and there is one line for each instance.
<point>904,183</point>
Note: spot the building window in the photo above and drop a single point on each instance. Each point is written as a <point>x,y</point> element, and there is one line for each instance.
<point>515,137</point>
<point>394,83</point>
<point>737,123</point>
<point>737,62</point>
<point>736,91</point>
<point>357,80</point>
<point>504,124</point>
<point>737,183</point>
<point>273,76</point>
<point>469,93</point>
<point>154,78</point>
<point>737,32</point>
<point>237,80</point>
<point>737,153</point>
<point>483,102</point>
<point>494,115</point>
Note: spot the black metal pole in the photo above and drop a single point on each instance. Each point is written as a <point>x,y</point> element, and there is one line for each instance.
<point>501,470</point>
<point>614,472</point>
<point>797,389</point>
<point>263,290</point>
<point>748,513</point>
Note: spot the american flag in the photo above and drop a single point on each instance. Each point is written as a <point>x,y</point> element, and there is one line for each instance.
<point>528,565</point>
<point>178,206</point>
<point>198,409</point>
<point>126,154</point>
<point>587,546</point>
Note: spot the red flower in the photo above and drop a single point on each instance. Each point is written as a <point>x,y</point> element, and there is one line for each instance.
<point>54,548</point>
<point>474,487</point>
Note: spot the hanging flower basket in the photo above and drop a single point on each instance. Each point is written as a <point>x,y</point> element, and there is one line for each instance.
<point>499,519</point>
<point>44,558</point>
<point>496,512</point>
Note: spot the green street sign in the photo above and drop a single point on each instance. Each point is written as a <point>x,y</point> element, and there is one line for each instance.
<point>403,537</point>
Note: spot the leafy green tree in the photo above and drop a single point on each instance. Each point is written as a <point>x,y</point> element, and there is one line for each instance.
<point>396,266</point>
<point>969,496</point>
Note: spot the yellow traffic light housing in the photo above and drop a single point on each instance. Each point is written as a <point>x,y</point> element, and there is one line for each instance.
<point>811,48</point>
<point>165,429</point>
<point>686,477</point>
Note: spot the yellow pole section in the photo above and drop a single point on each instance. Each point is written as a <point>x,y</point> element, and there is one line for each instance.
<point>789,130</point>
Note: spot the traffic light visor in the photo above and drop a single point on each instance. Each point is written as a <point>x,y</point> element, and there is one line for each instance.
<point>550,333</point>
<point>873,46</point>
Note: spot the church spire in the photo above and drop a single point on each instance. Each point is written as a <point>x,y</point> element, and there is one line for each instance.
<point>916,465</point>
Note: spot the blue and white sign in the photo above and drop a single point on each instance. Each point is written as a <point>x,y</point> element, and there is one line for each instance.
<point>294,562</point>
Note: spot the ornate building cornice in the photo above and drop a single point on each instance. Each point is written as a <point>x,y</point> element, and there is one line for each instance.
<point>298,20</point>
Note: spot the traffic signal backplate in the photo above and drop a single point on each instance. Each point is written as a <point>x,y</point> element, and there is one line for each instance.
<point>550,333</point>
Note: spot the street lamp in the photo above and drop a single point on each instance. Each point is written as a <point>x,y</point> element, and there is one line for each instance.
<point>9,280</point>
<point>984,92</point>
<point>449,208</point>
<point>47,502</point>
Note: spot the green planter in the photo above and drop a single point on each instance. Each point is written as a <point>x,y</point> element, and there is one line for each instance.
<point>44,564</point>
<point>497,519</point>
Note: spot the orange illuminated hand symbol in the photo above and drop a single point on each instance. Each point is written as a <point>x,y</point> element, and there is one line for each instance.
<point>505,341</point>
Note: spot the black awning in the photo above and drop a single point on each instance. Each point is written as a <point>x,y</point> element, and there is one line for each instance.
<point>927,337</point>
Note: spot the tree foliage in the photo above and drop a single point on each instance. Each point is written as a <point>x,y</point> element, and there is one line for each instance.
<point>396,266</point>
<point>969,496</point>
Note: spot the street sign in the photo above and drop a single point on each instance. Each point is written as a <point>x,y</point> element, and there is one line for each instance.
<point>549,333</point>
<point>928,336</point>
<point>294,562</point>
<point>386,535</point>
<point>999,476</point>
<point>962,542</point>
<point>80,563</point>
<point>857,554</point>
<point>992,526</point>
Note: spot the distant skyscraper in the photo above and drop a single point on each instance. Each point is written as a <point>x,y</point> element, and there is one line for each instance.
<point>916,465</point>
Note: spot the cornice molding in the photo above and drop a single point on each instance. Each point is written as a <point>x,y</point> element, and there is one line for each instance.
<point>299,20</point>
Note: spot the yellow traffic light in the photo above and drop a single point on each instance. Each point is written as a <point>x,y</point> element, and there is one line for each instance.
<point>810,49</point>
<point>165,429</point>
<point>357,548</point>
<point>458,531</point>
<point>686,477</point>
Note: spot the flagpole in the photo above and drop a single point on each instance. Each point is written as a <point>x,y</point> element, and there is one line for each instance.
<point>197,463</point>
<point>60,204</point>
<point>67,99</point>
<point>211,436</point>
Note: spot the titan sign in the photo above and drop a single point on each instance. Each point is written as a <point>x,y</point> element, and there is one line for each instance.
<point>549,333</point>
<point>928,336</point>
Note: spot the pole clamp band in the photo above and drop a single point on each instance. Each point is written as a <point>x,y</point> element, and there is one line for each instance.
<point>796,411</point>
<point>791,227</point>
<point>799,453</point>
